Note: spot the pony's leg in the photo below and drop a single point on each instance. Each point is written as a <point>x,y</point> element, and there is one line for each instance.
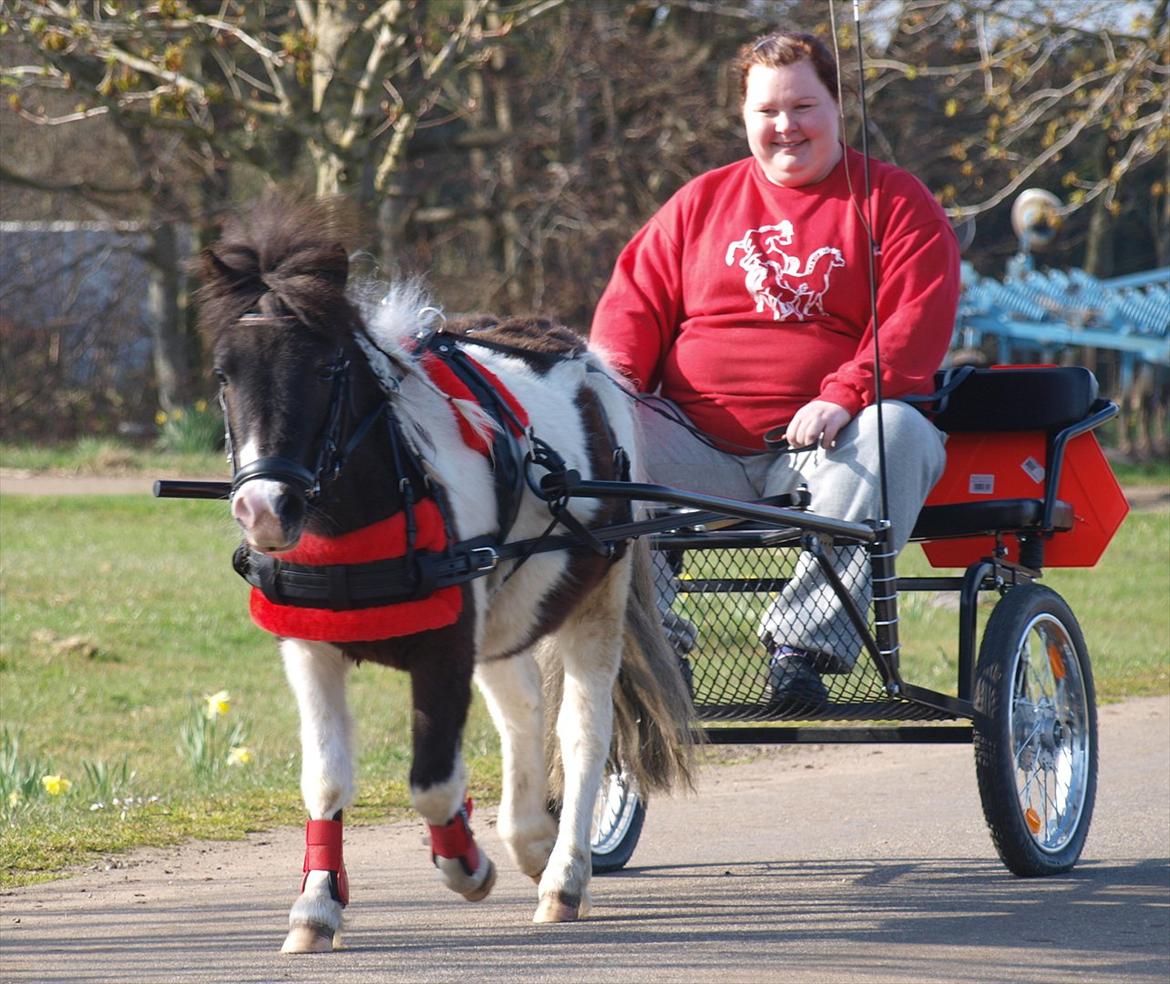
<point>441,691</point>
<point>512,689</point>
<point>317,672</point>
<point>590,645</point>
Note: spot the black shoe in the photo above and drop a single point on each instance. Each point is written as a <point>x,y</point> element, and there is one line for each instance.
<point>792,681</point>
<point>681,633</point>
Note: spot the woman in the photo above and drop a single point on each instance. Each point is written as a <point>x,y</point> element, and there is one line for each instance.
<point>744,303</point>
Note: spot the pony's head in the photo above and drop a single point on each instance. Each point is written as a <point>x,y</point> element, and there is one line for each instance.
<point>274,304</point>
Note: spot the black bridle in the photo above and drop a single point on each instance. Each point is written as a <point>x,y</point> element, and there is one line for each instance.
<point>333,447</point>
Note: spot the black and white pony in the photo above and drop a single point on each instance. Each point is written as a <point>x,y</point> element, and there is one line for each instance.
<point>373,487</point>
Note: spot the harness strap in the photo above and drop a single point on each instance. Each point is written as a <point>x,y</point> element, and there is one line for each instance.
<point>346,587</point>
<point>455,840</point>
<point>323,852</point>
<point>275,469</point>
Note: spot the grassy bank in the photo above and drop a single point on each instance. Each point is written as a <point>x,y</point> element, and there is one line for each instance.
<point>121,616</point>
<point>105,456</point>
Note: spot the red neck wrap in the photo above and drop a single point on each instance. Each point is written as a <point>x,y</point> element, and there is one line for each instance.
<point>380,541</point>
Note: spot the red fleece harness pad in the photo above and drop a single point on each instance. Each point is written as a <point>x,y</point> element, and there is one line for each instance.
<point>443,376</point>
<point>381,541</point>
<point>323,853</point>
<point>455,840</point>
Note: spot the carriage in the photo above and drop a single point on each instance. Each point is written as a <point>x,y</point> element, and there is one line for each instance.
<point>1026,487</point>
<point>448,497</point>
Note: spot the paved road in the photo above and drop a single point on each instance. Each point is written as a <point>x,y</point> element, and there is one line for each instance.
<point>823,864</point>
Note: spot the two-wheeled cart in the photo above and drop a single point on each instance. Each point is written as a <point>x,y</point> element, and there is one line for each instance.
<point>1026,487</point>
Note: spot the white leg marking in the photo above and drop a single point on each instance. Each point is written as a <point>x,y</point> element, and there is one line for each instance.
<point>438,805</point>
<point>512,690</point>
<point>590,647</point>
<point>316,673</point>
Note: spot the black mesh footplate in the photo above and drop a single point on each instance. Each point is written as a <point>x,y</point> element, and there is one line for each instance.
<point>718,599</point>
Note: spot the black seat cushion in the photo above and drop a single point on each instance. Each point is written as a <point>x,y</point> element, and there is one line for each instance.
<point>981,518</point>
<point>1015,399</point>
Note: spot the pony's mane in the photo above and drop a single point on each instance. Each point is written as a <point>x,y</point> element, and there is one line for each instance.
<point>285,257</point>
<point>394,312</point>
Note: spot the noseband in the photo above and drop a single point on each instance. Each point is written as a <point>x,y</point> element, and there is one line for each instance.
<point>332,447</point>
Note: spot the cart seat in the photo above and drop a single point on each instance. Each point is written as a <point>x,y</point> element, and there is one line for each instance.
<point>1020,461</point>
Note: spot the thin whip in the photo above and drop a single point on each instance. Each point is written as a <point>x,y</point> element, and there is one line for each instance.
<point>867,224</point>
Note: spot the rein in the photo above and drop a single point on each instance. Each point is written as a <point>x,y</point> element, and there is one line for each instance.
<point>427,561</point>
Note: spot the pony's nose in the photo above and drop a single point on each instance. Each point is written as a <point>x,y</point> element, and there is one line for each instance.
<point>269,515</point>
<point>290,510</point>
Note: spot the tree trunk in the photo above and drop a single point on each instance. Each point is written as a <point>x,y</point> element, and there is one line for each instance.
<point>509,223</point>
<point>1099,242</point>
<point>172,363</point>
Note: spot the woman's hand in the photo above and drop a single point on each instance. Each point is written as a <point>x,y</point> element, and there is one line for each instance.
<point>816,422</point>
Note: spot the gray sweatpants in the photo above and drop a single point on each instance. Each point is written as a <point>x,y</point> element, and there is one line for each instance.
<point>844,483</point>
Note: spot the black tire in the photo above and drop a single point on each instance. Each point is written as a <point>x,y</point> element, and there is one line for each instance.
<point>1035,732</point>
<point>617,822</point>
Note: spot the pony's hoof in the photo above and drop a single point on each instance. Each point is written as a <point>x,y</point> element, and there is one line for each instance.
<point>485,887</point>
<point>310,939</point>
<point>554,909</point>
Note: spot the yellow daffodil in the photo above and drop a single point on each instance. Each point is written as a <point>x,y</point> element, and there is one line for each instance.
<point>217,704</point>
<point>14,798</point>
<point>160,417</point>
<point>240,755</point>
<point>201,406</point>
<point>55,785</point>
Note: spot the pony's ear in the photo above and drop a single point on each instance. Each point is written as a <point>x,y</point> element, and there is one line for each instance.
<point>209,268</point>
<point>227,264</point>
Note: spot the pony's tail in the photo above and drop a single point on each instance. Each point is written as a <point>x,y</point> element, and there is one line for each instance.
<point>653,717</point>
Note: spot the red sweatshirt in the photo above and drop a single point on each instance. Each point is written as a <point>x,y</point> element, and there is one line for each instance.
<point>742,301</point>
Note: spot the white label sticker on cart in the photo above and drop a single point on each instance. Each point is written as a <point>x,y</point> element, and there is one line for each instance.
<point>1033,468</point>
<point>981,485</point>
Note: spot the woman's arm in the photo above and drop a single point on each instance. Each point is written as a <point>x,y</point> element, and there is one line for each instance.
<point>639,312</point>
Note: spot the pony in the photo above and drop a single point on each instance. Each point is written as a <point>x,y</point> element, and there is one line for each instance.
<point>390,508</point>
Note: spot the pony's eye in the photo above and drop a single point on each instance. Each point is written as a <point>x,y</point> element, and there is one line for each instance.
<point>220,376</point>
<point>326,371</point>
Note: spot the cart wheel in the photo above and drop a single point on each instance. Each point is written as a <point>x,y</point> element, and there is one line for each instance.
<point>617,822</point>
<point>1035,732</point>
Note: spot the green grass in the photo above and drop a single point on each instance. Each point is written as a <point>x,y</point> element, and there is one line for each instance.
<point>1156,471</point>
<point>106,456</point>
<point>121,614</point>
<point>1121,605</point>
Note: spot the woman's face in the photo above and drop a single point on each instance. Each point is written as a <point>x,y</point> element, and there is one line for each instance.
<point>792,123</point>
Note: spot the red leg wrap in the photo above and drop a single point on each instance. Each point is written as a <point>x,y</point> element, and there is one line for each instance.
<point>323,853</point>
<point>455,840</point>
